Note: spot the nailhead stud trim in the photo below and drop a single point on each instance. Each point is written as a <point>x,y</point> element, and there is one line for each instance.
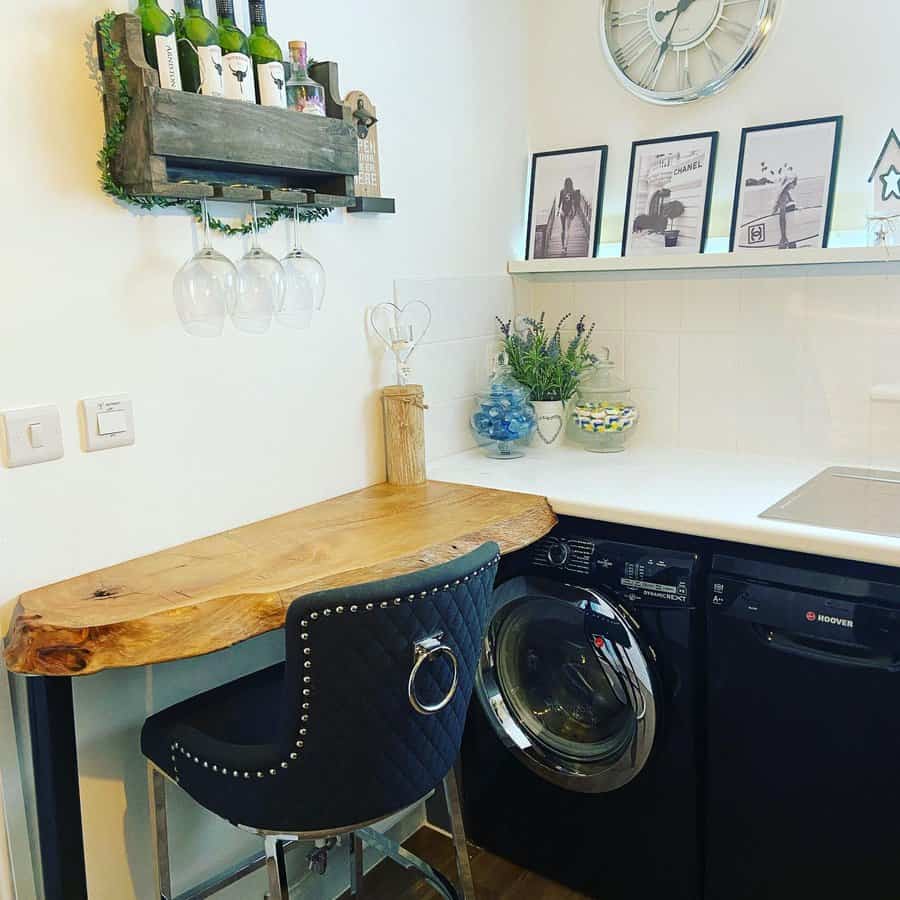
<point>304,636</point>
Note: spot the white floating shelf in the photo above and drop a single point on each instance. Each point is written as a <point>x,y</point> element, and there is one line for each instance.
<point>754,259</point>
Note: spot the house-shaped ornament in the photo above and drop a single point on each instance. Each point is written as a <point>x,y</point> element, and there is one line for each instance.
<point>885,179</point>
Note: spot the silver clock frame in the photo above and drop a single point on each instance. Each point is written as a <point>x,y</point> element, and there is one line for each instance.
<point>764,28</point>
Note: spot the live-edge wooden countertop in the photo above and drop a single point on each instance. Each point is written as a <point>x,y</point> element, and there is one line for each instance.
<point>217,591</point>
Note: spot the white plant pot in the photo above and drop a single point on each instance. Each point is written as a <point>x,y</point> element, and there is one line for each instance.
<point>550,416</point>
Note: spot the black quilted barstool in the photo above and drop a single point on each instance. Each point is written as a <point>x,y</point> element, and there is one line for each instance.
<point>362,721</point>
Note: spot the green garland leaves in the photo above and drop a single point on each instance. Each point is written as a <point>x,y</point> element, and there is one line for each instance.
<point>115,134</point>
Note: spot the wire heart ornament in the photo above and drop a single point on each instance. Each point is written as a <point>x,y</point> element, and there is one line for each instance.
<point>557,421</point>
<point>401,329</point>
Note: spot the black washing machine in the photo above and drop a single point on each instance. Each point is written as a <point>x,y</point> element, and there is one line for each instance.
<point>580,758</point>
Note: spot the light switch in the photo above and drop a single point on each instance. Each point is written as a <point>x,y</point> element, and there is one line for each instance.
<point>31,436</point>
<point>107,422</point>
<point>112,422</point>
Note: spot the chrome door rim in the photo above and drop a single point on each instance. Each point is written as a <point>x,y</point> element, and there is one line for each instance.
<point>581,776</point>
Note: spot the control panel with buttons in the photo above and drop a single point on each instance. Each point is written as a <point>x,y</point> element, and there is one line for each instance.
<point>641,574</point>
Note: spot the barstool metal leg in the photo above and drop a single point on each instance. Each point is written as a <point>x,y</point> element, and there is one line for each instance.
<point>159,827</point>
<point>458,829</point>
<point>356,865</point>
<point>278,885</point>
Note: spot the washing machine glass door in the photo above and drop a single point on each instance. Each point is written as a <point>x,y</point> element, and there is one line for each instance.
<point>567,685</point>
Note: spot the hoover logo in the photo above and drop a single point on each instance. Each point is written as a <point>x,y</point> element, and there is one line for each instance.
<point>828,620</point>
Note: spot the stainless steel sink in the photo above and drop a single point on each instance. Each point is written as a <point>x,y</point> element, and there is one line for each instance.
<point>864,500</point>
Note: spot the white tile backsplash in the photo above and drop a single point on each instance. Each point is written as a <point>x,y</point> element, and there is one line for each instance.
<point>651,359</point>
<point>776,361</point>
<point>654,301</point>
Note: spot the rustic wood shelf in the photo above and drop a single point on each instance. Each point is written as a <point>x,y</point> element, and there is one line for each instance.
<point>214,592</point>
<point>187,146</point>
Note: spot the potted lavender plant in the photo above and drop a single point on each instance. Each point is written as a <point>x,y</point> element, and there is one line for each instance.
<point>550,367</point>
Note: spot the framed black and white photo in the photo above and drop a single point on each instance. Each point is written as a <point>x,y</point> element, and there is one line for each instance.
<point>785,185</point>
<point>566,203</point>
<point>669,192</point>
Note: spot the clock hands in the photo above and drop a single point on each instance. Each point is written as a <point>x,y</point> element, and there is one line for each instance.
<point>664,46</point>
<point>679,8</point>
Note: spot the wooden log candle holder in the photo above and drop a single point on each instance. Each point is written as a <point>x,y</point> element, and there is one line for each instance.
<point>187,146</point>
<point>404,434</point>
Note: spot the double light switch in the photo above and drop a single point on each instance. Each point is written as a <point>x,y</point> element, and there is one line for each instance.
<point>34,435</point>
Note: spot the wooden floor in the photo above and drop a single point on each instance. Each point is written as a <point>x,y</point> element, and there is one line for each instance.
<point>495,878</point>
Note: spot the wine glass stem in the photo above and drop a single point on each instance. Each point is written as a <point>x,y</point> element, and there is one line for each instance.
<point>204,211</point>
<point>297,247</point>
<point>254,226</point>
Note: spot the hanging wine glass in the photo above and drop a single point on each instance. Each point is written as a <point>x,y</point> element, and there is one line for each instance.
<point>260,287</point>
<point>205,287</point>
<point>304,278</point>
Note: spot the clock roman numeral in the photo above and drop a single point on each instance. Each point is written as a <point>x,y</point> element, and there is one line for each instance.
<point>634,49</point>
<point>619,19</point>
<point>736,30</point>
<point>716,61</point>
<point>684,70</point>
<point>650,76</point>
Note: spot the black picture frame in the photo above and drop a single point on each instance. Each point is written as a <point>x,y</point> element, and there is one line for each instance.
<point>838,122</point>
<point>594,240</point>
<point>713,138</point>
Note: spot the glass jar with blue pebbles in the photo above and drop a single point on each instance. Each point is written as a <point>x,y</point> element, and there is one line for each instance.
<point>503,421</point>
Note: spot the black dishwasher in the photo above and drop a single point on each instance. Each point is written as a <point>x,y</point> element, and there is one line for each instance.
<point>803,793</point>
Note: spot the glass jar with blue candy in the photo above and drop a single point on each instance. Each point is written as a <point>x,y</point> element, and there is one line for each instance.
<point>503,421</point>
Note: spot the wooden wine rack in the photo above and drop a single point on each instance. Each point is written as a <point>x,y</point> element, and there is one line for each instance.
<point>187,146</point>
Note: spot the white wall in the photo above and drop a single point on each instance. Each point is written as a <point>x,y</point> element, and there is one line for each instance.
<point>237,429</point>
<point>779,361</point>
<point>819,61</point>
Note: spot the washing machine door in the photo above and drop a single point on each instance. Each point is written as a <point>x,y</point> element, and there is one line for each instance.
<point>567,684</point>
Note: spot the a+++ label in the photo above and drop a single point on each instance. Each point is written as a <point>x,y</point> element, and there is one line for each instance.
<point>211,72</point>
<point>271,80</point>
<point>237,75</point>
<point>167,62</point>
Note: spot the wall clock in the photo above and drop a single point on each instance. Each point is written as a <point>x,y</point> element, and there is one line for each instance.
<point>676,51</point>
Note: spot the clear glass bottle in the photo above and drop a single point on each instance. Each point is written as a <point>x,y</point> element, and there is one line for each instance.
<point>503,421</point>
<point>199,54</point>
<point>268,60</point>
<point>160,46</point>
<point>237,67</point>
<point>303,94</point>
<point>602,414</point>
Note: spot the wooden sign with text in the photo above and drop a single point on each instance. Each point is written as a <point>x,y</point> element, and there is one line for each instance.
<point>364,117</point>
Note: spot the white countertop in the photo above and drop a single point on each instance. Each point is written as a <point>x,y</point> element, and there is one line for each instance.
<point>713,495</point>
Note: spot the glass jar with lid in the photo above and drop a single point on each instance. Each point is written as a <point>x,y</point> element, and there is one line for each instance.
<point>602,415</point>
<point>503,421</point>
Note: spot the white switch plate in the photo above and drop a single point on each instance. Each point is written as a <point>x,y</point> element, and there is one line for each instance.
<point>107,422</point>
<point>31,436</point>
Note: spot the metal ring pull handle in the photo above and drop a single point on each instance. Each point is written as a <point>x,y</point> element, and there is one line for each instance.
<point>425,651</point>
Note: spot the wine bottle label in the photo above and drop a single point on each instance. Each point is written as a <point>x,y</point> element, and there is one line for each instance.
<point>167,62</point>
<point>237,74</point>
<point>211,71</point>
<point>271,78</point>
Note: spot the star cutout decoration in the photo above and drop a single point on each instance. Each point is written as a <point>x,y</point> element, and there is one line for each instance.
<point>891,184</point>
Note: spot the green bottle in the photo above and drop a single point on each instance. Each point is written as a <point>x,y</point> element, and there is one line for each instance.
<point>160,46</point>
<point>199,54</point>
<point>237,67</point>
<point>267,59</point>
